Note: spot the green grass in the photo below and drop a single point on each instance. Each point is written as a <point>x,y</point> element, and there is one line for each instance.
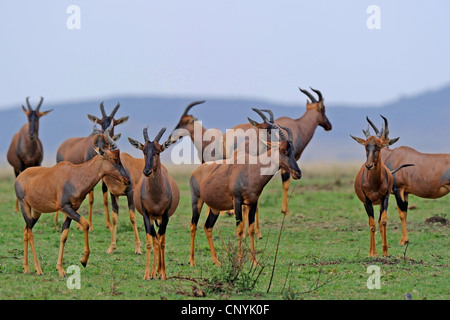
<point>322,250</point>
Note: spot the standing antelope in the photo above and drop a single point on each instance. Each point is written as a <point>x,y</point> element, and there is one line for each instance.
<point>428,178</point>
<point>79,150</point>
<point>224,186</point>
<point>156,197</point>
<point>374,182</point>
<point>26,149</point>
<point>302,130</point>
<point>63,187</point>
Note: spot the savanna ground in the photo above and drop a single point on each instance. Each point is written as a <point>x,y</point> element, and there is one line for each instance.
<point>322,251</point>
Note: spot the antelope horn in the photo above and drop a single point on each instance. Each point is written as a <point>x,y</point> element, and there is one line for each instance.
<point>366,132</point>
<point>270,113</point>
<point>288,131</point>
<point>318,93</point>
<point>310,96</point>
<point>145,132</point>
<point>115,110</point>
<point>385,132</point>
<point>102,109</point>
<point>261,114</point>
<point>111,142</point>
<point>28,104</point>
<point>191,105</point>
<point>373,126</point>
<point>39,104</point>
<point>159,135</point>
<point>282,135</point>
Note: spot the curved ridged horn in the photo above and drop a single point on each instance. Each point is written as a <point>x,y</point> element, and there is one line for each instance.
<point>39,104</point>
<point>310,96</point>
<point>282,135</point>
<point>318,93</point>
<point>288,131</point>
<point>270,114</point>
<point>159,135</point>
<point>385,133</point>
<point>111,142</point>
<point>115,110</point>
<point>373,126</point>
<point>261,114</point>
<point>28,103</point>
<point>102,109</point>
<point>145,132</point>
<point>366,132</point>
<point>191,105</point>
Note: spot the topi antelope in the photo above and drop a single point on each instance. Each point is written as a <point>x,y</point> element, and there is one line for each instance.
<point>156,197</point>
<point>26,149</point>
<point>302,130</point>
<point>63,187</point>
<point>428,178</point>
<point>78,150</point>
<point>374,182</point>
<point>81,153</point>
<point>117,188</point>
<point>224,186</point>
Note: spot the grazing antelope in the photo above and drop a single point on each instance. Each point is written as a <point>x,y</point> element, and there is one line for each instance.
<point>374,182</point>
<point>428,178</point>
<point>224,186</point>
<point>63,187</point>
<point>26,149</point>
<point>79,150</point>
<point>156,197</point>
<point>302,130</point>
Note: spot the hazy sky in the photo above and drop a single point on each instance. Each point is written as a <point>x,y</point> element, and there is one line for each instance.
<point>203,48</point>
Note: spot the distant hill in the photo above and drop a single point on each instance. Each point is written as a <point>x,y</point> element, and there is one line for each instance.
<point>421,121</point>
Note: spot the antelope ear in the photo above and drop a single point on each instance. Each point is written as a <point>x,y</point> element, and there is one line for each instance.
<point>359,140</point>
<point>121,120</point>
<point>136,144</point>
<point>117,136</point>
<point>320,105</point>
<point>94,119</point>
<point>253,123</point>
<point>390,142</point>
<point>40,114</point>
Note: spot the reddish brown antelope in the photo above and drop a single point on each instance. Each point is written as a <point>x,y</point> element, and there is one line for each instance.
<point>26,149</point>
<point>79,150</point>
<point>156,197</point>
<point>63,187</point>
<point>80,153</point>
<point>303,130</point>
<point>117,188</point>
<point>428,178</point>
<point>374,182</point>
<point>225,186</point>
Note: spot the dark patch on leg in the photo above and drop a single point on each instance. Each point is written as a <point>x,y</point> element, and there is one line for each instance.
<point>211,220</point>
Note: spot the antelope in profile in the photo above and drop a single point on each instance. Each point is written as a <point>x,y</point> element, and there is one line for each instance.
<point>81,153</point>
<point>26,149</point>
<point>156,197</point>
<point>302,130</point>
<point>374,182</point>
<point>225,186</point>
<point>428,178</point>
<point>79,150</point>
<point>63,187</point>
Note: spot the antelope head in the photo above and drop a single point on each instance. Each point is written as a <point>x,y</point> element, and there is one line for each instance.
<point>151,150</point>
<point>374,143</point>
<point>106,120</point>
<point>186,122</point>
<point>33,117</point>
<point>318,106</point>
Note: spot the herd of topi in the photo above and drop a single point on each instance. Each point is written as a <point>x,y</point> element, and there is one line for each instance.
<point>149,188</point>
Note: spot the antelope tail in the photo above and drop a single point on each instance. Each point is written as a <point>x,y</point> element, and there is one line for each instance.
<point>402,166</point>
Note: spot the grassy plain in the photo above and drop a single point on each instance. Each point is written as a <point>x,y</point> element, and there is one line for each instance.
<point>322,252</point>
